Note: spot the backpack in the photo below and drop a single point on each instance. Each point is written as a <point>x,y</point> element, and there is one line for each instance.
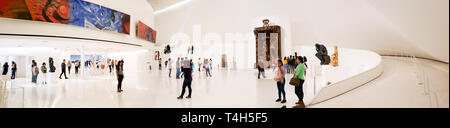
<point>37,70</point>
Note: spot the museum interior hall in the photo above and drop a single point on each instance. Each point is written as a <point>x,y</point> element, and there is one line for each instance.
<point>224,54</point>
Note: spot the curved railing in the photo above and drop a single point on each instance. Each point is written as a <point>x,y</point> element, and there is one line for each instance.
<point>364,66</point>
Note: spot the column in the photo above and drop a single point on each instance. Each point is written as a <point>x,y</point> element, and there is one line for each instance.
<point>82,59</point>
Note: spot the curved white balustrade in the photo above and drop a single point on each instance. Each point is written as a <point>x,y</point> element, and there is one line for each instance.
<point>356,67</point>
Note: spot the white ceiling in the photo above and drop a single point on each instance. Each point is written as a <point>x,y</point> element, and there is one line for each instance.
<point>415,27</point>
<point>161,4</point>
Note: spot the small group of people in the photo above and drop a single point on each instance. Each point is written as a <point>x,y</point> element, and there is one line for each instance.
<point>190,49</point>
<point>181,64</point>
<point>92,64</point>
<point>206,65</point>
<point>5,69</point>
<point>290,63</point>
<point>299,73</point>
<point>35,72</point>
<point>111,64</point>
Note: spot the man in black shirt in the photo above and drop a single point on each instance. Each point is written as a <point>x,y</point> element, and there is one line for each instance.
<point>187,82</point>
<point>5,68</point>
<point>63,69</point>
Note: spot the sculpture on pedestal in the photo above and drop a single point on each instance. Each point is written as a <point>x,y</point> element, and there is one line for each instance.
<point>334,57</point>
<point>266,23</point>
<point>322,54</point>
<point>167,50</point>
<point>50,62</point>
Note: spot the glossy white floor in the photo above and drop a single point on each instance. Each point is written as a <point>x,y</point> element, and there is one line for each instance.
<point>399,86</point>
<point>396,87</point>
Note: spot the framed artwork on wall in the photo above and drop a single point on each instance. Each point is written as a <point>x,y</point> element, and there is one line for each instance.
<point>72,12</point>
<point>145,32</point>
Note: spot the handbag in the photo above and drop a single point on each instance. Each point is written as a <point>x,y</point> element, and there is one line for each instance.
<point>294,81</point>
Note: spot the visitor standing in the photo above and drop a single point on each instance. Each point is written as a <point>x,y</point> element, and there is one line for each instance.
<point>293,65</point>
<point>13,70</point>
<point>69,65</point>
<point>299,73</point>
<point>178,68</point>
<point>261,69</point>
<point>159,64</point>
<point>279,78</point>
<point>207,68</point>
<point>304,62</point>
<point>32,71</point>
<point>35,72</point>
<point>165,63</point>
<point>199,64</point>
<point>109,65</point>
<point>285,64</point>
<point>187,80</point>
<point>192,65</point>
<point>210,64</point>
<point>113,65</point>
<point>120,76</point>
<point>63,69</point>
<point>169,64</point>
<point>44,73</point>
<point>181,67</point>
<point>77,66</point>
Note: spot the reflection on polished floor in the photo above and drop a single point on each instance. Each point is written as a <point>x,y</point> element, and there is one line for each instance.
<point>399,86</point>
<point>396,87</point>
<point>153,89</point>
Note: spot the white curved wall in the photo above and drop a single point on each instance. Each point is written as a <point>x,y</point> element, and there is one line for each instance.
<point>356,67</point>
<point>361,24</point>
<point>425,23</point>
<point>137,9</point>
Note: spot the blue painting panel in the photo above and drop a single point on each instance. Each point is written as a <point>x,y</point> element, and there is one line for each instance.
<point>89,15</point>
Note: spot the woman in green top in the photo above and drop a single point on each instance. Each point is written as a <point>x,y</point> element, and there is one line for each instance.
<point>299,73</point>
<point>44,73</point>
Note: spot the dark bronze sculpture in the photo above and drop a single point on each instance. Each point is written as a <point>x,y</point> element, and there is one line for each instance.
<point>322,54</point>
<point>167,50</point>
<point>51,65</point>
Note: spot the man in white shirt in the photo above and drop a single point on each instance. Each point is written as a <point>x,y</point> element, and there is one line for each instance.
<point>169,65</point>
<point>199,64</point>
<point>186,63</point>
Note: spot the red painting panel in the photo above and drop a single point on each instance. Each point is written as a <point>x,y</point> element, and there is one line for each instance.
<point>55,11</point>
<point>126,24</point>
<point>16,9</point>
<point>145,32</point>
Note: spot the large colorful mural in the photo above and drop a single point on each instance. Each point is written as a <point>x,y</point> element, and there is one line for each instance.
<point>73,12</point>
<point>145,32</point>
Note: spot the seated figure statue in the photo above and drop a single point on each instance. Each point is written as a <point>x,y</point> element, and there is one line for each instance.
<point>322,54</point>
<point>334,57</point>
<point>167,50</point>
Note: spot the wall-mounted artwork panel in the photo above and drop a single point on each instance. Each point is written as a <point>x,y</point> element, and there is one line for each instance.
<point>73,12</point>
<point>145,32</point>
